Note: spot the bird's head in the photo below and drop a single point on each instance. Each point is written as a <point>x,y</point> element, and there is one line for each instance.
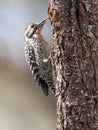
<point>34,28</point>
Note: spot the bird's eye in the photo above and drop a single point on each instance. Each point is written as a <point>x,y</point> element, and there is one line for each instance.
<point>32,26</point>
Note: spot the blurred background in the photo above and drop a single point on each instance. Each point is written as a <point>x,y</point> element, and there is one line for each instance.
<point>22,103</point>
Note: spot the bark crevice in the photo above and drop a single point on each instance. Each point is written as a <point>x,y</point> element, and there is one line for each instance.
<point>75,59</point>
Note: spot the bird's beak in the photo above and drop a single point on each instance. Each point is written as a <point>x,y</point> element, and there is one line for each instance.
<point>42,22</point>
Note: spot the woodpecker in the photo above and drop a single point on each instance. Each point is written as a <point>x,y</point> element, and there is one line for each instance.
<point>37,53</point>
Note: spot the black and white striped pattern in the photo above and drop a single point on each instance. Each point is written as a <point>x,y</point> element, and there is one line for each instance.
<point>42,76</point>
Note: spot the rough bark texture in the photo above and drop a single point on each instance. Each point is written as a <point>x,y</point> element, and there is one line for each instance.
<point>75,59</point>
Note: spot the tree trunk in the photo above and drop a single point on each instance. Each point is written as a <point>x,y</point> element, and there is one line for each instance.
<point>75,60</point>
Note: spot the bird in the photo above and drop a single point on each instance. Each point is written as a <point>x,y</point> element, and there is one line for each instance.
<point>37,54</point>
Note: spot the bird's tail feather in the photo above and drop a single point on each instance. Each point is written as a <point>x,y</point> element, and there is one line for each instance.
<point>44,80</point>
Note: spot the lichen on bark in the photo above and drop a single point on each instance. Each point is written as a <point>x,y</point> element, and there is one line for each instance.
<point>75,59</point>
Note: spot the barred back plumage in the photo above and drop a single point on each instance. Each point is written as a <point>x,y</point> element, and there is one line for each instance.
<point>36,51</point>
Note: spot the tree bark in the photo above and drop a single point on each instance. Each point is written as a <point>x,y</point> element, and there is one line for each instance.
<point>75,60</point>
